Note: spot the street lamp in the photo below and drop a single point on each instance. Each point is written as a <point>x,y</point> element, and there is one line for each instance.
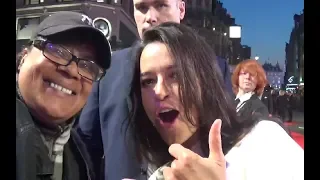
<point>256,58</point>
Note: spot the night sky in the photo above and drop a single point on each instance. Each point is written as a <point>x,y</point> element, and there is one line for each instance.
<point>266,25</point>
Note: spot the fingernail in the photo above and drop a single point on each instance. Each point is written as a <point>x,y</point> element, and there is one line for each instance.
<point>220,121</point>
<point>220,124</point>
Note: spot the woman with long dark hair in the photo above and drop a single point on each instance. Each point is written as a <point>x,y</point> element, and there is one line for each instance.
<point>177,103</point>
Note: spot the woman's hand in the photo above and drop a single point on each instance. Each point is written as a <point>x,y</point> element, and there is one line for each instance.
<point>190,166</point>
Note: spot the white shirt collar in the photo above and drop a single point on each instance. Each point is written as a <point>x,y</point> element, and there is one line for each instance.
<point>245,96</point>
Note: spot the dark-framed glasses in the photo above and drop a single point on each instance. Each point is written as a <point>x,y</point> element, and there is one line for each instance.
<point>62,56</point>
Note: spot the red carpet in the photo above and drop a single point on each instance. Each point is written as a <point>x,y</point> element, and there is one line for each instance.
<point>299,138</point>
<point>290,123</point>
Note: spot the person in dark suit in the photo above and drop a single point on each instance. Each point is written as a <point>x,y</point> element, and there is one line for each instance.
<point>266,98</point>
<point>105,114</point>
<point>282,104</point>
<point>290,106</point>
<point>248,81</point>
<point>274,96</point>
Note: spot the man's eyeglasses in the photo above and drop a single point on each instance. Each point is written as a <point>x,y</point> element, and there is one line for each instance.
<point>62,56</point>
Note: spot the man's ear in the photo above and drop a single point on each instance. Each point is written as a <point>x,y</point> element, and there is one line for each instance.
<point>182,8</point>
<point>23,55</point>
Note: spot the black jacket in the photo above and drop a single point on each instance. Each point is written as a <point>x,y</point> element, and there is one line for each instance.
<point>282,103</point>
<point>253,105</point>
<point>32,159</point>
<point>266,98</point>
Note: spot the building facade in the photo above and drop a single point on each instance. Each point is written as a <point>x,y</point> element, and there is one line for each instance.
<point>212,21</point>
<point>208,17</point>
<point>119,13</point>
<point>294,49</point>
<point>275,75</point>
<point>246,52</point>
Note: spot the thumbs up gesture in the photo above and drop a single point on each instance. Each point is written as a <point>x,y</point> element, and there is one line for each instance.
<point>190,166</point>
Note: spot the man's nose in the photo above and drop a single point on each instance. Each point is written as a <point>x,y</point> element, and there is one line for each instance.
<point>161,90</point>
<point>71,70</point>
<point>151,16</point>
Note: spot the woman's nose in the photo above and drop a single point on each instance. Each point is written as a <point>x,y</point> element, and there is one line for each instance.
<point>161,90</point>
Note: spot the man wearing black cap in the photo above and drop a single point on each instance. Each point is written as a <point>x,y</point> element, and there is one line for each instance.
<point>54,79</point>
<point>104,116</point>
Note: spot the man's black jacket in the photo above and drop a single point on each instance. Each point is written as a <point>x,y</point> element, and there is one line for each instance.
<point>32,159</point>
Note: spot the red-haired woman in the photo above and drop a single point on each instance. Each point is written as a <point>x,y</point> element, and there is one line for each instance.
<point>248,81</point>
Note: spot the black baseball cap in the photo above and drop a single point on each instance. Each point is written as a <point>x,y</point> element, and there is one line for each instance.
<point>68,21</point>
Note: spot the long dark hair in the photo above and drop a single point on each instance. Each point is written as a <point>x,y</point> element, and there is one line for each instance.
<point>200,86</point>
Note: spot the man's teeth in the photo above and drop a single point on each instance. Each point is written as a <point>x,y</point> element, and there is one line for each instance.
<point>165,110</point>
<point>60,88</point>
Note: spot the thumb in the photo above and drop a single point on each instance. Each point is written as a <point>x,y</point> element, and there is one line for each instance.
<point>215,144</point>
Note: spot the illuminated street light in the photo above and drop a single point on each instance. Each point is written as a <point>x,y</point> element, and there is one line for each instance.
<point>256,58</point>
<point>234,32</point>
<point>213,29</point>
<point>224,34</point>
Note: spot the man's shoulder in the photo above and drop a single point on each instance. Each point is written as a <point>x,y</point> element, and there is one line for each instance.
<point>258,103</point>
<point>121,62</point>
<point>121,53</point>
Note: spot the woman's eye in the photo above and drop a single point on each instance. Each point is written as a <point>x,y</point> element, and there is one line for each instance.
<point>147,82</point>
<point>173,75</point>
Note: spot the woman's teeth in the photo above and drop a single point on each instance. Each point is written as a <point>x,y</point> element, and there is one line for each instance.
<point>165,110</point>
<point>60,88</point>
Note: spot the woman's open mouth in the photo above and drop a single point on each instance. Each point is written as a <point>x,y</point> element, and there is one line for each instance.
<point>168,116</point>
